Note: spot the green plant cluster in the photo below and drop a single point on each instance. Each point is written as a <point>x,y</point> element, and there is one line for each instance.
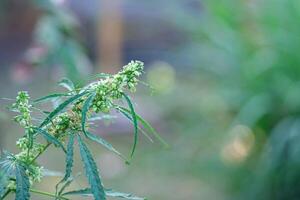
<point>69,122</point>
<point>23,107</point>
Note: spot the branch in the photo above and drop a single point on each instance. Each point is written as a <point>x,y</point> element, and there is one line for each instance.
<point>47,194</point>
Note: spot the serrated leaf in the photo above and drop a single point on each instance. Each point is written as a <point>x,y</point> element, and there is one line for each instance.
<point>22,183</point>
<point>85,108</point>
<point>50,97</point>
<point>108,192</point>
<point>146,125</point>
<point>69,165</point>
<point>7,164</point>
<point>7,170</point>
<point>3,183</point>
<point>60,108</point>
<point>104,143</point>
<point>135,124</point>
<point>67,83</point>
<point>50,138</point>
<point>91,171</point>
<point>69,157</point>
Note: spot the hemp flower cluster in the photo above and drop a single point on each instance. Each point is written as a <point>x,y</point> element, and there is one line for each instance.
<point>105,91</point>
<point>35,172</point>
<point>60,124</point>
<point>28,151</point>
<point>23,107</point>
<point>112,87</point>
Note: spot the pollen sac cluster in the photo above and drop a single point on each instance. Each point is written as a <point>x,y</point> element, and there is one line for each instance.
<point>23,107</point>
<point>60,124</point>
<point>24,155</point>
<point>130,73</point>
<point>112,87</point>
<point>64,123</point>
<point>35,171</point>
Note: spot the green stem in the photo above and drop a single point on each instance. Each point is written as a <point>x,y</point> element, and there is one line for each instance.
<point>27,157</point>
<point>47,194</point>
<point>42,151</point>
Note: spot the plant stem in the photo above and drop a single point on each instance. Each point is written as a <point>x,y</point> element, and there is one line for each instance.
<point>43,150</point>
<point>47,194</point>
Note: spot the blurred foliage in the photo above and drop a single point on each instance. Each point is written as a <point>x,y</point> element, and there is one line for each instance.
<point>239,102</point>
<point>257,47</point>
<point>57,41</point>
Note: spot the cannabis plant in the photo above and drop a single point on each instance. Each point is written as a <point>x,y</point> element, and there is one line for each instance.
<point>67,123</point>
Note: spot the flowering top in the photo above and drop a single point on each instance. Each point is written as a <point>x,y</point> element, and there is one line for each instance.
<point>112,87</point>
<point>23,107</point>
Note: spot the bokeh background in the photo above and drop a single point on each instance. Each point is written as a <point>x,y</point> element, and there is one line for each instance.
<point>225,93</point>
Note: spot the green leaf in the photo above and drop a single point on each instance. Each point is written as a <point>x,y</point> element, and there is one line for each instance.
<point>7,164</point>
<point>67,83</point>
<point>69,158</point>
<point>135,124</point>
<point>69,165</point>
<point>49,97</point>
<point>22,183</point>
<point>50,138</point>
<point>108,192</point>
<point>60,108</point>
<point>146,125</point>
<point>85,108</point>
<point>7,169</point>
<point>104,143</point>
<point>129,117</point>
<point>91,171</point>
<point>3,183</point>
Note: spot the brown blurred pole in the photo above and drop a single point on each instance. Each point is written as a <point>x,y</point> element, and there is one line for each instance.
<point>110,36</point>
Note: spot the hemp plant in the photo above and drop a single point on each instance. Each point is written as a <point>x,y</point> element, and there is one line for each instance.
<point>68,123</point>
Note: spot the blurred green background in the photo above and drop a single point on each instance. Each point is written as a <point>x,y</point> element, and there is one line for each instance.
<point>226,89</point>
